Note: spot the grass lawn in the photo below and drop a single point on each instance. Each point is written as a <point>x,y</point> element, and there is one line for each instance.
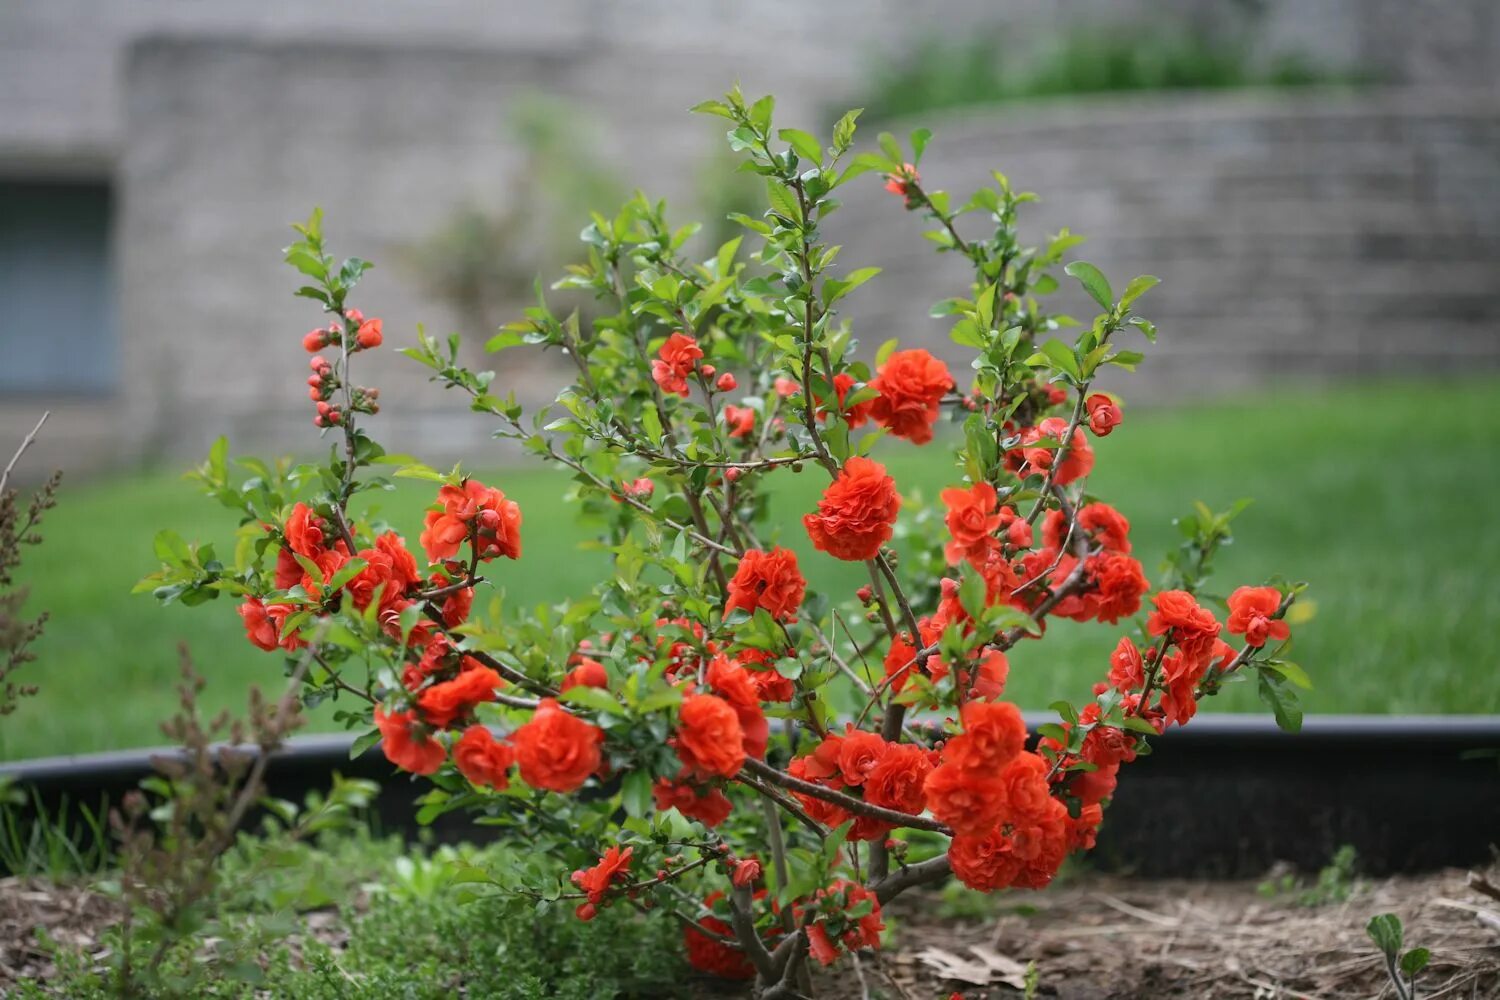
<point>1359,490</point>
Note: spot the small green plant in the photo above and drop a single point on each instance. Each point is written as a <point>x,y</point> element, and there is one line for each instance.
<point>1335,883</point>
<point>1386,931</point>
<point>55,842</point>
<point>176,935</point>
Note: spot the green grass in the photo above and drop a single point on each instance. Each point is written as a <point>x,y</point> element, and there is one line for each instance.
<point>942,74</point>
<point>1375,494</point>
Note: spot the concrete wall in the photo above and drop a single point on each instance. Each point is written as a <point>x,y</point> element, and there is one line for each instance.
<point>1295,237</point>
<point>1361,230</point>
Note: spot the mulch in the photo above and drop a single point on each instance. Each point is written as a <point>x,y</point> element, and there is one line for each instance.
<point>1096,936</point>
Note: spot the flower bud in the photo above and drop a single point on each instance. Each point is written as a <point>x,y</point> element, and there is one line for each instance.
<point>586,912</point>
<point>369,334</point>
<point>746,871</point>
<point>354,316</point>
<point>315,341</point>
<point>733,475</point>
<point>865,595</point>
<point>727,383</point>
<point>707,370</point>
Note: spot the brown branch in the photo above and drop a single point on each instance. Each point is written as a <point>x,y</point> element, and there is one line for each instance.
<point>846,802</point>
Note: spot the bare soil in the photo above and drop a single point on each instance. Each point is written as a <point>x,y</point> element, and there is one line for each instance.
<point>1096,937</point>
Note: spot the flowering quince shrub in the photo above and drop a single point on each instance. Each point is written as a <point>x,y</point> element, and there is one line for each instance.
<point>703,736</point>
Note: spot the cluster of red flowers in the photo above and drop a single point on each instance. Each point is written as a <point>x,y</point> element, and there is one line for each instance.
<point>856,513</point>
<point>769,580</point>
<point>473,511</point>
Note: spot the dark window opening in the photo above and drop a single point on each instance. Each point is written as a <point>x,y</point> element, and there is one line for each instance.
<point>58,329</point>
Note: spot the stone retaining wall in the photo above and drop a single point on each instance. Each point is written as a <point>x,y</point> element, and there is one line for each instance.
<point>1312,236</point>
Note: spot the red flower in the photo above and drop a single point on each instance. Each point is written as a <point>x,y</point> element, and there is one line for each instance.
<point>304,532</point>
<point>740,420</point>
<point>445,701</point>
<point>1104,414</point>
<point>484,760</point>
<point>407,743</point>
<point>613,867</point>
<point>473,506</point>
<point>769,682</point>
<point>856,512</point>
<point>704,803</point>
<point>1194,628</point>
<point>769,580</point>
<point>1250,614</point>
<point>859,753</point>
<point>984,861</point>
<point>911,384</point>
<point>994,733</point>
<point>1120,585</point>
<point>555,750</point>
<point>901,180</point>
<point>970,802</point>
<point>973,518</point>
<point>709,739</point>
<point>1101,522</point>
<point>1024,786</point>
<point>264,624</point>
<point>897,781</point>
<point>675,362</point>
<point>1126,668</point>
<point>733,683</point>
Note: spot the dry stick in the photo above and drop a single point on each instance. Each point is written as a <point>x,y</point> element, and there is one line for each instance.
<point>847,802</point>
<point>26,442</point>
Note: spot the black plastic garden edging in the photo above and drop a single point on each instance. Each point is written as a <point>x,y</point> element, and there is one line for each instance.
<point>1226,797</point>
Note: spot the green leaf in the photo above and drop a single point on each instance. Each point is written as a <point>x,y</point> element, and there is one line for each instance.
<point>591,697</point>
<point>805,143</point>
<point>1138,287</point>
<point>1282,700</point>
<point>891,148</point>
<point>843,130</point>
<point>364,743</point>
<point>1385,930</point>
<point>1291,672</point>
<point>635,793</point>
<point>1415,961</point>
<point>1093,281</point>
<point>1061,356</point>
<point>919,140</point>
<point>712,108</point>
<point>782,200</point>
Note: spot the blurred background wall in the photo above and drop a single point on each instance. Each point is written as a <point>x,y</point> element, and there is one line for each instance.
<point>1317,182</point>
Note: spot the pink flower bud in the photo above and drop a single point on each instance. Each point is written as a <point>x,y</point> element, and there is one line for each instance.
<point>315,341</point>
<point>745,872</point>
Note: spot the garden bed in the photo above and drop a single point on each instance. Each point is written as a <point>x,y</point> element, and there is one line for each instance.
<point>1093,936</point>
